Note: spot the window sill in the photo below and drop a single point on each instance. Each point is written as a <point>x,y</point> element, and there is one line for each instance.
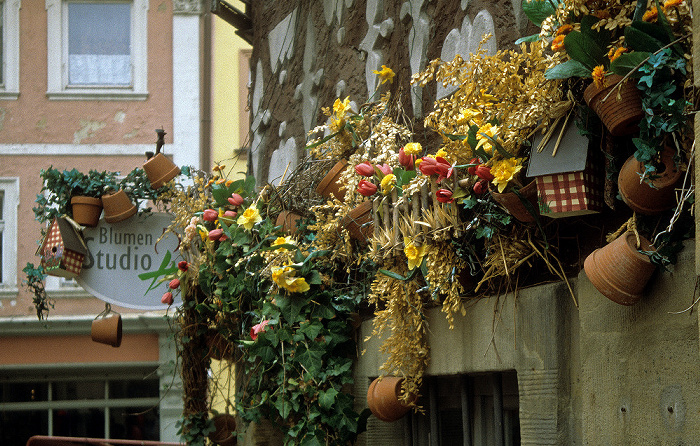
<point>99,95</point>
<point>69,293</point>
<point>9,95</point>
<point>8,292</point>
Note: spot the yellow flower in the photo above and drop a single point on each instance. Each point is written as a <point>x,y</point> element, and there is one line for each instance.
<point>283,241</point>
<point>614,53</point>
<point>388,183</point>
<point>341,107</point>
<point>385,74</point>
<point>249,217</point>
<point>471,115</point>
<point>672,3</point>
<point>481,136</point>
<point>413,148</point>
<point>558,43</point>
<point>413,253</point>
<point>284,278</point>
<point>598,75</point>
<point>504,171</point>
<point>297,285</point>
<point>218,167</point>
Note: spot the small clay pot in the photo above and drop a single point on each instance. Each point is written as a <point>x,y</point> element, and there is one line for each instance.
<point>329,185</point>
<point>288,221</point>
<point>383,399</point>
<point>620,116</point>
<point>649,197</point>
<point>224,430</point>
<point>514,204</point>
<point>118,207</point>
<point>160,170</point>
<point>619,271</point>
<point>86,210</point>
<point>358,222</point>
<point>107,329</point>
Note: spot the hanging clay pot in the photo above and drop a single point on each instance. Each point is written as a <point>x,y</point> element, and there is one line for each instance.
<point>620,116</point>
<point>514,204</point>
<point>107,328</point>
<point>288,221</point>
<point>160,170</point>
<point>383,399</point>
<point>646,198</point>
<point>118,207</point>
<point>86,210</point>
<point>224,430</point>
<point>358,222</point>
<point>618,270</point>
<point>329,185</point>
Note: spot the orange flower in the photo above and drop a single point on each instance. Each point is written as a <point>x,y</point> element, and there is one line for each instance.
<point>672,3</point>
<point>599,76</point>
<point>614,53</point>
<point>651,15</point>
<point>558,43</point>
<point>566,29</point>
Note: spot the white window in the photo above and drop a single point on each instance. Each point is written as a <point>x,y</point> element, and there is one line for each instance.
<point>97,49</point>
<point>9,49</point>
<point>9,201</point>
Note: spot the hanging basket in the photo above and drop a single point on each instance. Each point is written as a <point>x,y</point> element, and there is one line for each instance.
<point>86,210</point>
<point>619,271</point>
<point>118,207</point>
<point>622,111</point>
<point>649,197</point>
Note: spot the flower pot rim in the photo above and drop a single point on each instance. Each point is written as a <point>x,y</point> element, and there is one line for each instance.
<point>330,176</point>
<point>84,199</point>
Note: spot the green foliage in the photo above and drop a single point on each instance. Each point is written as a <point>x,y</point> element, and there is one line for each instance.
<point>193,429</point>
<point>35,283</point>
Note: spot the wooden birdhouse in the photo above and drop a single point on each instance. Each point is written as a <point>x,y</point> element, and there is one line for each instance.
<point>63,249</point>
<point>568,183</point>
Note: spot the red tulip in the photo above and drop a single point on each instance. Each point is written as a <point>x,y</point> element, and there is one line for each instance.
<point>444,196</point>
<point>365,169</point>
<point>366,188</point>
<point>174,284</point>
<point>484,172</point>
<point>438,165</point>
<point>235,199</point>
<point>167,298</point>
<point>406,160</point>
<point>183,265</point>
<point>216,234</point>
<point>480,187</point>
<point>472,169</point>
<point>210,215</point>
<point>385,169</point>
<point>230,214</point>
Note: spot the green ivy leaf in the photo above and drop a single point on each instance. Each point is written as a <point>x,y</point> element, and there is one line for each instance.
<point>326,398</point>
<point>538,10</point>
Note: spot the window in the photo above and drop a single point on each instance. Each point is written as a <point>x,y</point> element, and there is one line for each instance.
<point>9,201</point>
<point>9,49</point>
<point>116,404</point>
<point>479,410</point>
<point>97,49</point>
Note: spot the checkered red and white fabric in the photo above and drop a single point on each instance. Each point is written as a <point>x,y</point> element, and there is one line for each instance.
<point>58,261</point>
<point>569,194</point>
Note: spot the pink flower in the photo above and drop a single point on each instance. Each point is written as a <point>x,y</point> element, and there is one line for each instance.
<point>216,234</point>
<point>406,160</point>
<point>365,169</point>
<point>444,196</point>
<point>235,199</point>
<point>258,328</point>
<point>167,298</point>
<point>174,284</point>
<point>210,215</point>
<point>230,214</point>
<point>385,169</point>
<point>366,188</point>
<point>183,265</point>
<point>484,172</point>
<point>481,186</point>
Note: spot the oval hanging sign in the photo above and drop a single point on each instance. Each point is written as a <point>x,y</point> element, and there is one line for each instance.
<point>118,253</point>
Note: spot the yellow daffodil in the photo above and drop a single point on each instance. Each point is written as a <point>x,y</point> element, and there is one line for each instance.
<point>470,115</point>
<point>413,148</point>
<point>284,278</point>
<point>388,183</point>
<point>485,131</point>
<point>504,170</point>
<point>414,254</point>
<point>283,241</point>
<point>385,74</point>
<point>249,217</point>
<point>340,108</point>
<point>598,75</point>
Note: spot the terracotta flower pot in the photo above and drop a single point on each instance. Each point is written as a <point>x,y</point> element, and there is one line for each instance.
<point>514,204</point>
<point>160,170</point>
<point>620,116</point>
<point>86,210</point>
<point>329,185</point>
<point>383,399</point>
<point>118,207</point>
<point>358,222</point>
<point>224,430</point>
<point>619,271</point>
<point>107,329</point>
<point>288,221</point>
<point>645,198</point>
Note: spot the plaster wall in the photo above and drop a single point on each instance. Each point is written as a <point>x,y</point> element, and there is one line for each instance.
<point>599,373</point>
<point>33,118</point>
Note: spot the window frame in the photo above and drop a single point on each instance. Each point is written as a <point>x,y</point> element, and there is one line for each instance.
<point>57,63</point>
<point>10,189</point>
<point>9,87</point>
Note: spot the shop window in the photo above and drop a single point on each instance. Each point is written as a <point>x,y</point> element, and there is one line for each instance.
<point>97,49</point>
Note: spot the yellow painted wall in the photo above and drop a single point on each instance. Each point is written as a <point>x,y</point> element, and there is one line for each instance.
<point>227,96</point>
